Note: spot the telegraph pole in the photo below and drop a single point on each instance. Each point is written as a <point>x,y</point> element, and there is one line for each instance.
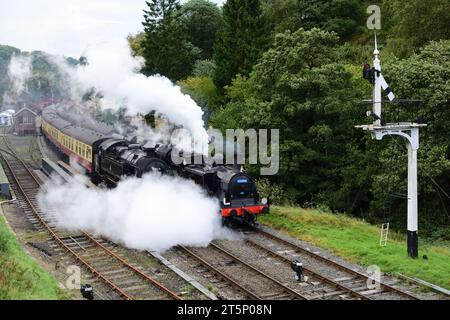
<point>407,130</point>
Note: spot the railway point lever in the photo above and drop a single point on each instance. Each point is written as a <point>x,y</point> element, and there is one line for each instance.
<point>297,266</point>
<point>87,291</point>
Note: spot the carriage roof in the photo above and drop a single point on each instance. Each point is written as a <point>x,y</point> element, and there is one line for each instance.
<point>85,135</point>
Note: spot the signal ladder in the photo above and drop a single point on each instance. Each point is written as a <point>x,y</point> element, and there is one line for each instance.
<point>384,234</point>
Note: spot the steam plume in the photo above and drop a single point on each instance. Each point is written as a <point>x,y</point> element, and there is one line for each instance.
<point>152,213</point>
<point>112,70</point>
<point>19,71</point>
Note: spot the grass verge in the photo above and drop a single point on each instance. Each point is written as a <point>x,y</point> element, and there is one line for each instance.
<point>21,278</point>
<point>358,242</point>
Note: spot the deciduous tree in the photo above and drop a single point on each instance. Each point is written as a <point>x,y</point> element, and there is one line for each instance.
<point>201,19</point>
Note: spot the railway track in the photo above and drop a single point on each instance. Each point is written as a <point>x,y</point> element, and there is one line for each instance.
<point>183,277</point>
<point>235,272</point>
<point>95,255</point>
<point>239,267</point>
<point>340,289</point>
<point>347,280</point>
<point>222,265</point>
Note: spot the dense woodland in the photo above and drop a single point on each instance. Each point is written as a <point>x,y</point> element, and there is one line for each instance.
<point>296,65</point>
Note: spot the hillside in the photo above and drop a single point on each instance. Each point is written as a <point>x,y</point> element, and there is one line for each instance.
<point>20,276</point>
<point>43,80</point>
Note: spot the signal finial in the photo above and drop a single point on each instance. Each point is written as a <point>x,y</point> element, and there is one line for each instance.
<point>376,52</point>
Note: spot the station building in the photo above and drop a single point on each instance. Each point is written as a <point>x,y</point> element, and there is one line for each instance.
<point>25,121</point>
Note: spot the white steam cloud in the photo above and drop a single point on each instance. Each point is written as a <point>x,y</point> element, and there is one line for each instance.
<point>153,213</point>
<point>113,71</point>
<point>19,71</point>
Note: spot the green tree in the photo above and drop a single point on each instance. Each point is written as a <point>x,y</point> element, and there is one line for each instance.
<point>136,43</point>
<point>166,50</point>
<point>298,88</point>
<point>423,76</point>
<point>414,23</point>
<point>282,15</point>
<point>341,16</point>
<point>201,19</point>
<point>203,91</point>
<point>203,68</point>
<point>241,40</point>
<point>375,178</point>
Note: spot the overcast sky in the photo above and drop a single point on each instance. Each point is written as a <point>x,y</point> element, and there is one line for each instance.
<point>68,26</point>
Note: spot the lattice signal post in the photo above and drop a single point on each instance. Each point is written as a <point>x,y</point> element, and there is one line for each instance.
<point>409,131</point>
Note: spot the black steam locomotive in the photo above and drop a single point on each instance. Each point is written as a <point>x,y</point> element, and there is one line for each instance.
<point>107,157</point>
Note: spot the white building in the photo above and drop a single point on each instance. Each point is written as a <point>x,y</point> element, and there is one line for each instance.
<point>6,118</point>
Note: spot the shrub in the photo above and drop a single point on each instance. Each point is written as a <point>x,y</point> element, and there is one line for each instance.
<point>275,193</point>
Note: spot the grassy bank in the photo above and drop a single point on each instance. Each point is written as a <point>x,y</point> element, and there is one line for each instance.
<point>20,276</point>
<point>358,242</point>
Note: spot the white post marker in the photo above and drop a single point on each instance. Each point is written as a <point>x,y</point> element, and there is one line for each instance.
<point>377,87</point>
<point>410,132</point>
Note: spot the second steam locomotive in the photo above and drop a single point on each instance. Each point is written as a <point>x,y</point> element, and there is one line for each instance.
<point>106,156</point>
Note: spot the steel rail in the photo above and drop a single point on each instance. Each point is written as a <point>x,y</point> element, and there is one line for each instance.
<point>127,264</point>
<point>58,239</point>
<point>220,273</point>
<point>311,272</point>
<point>49,229</point>
<point>334,263</point>
<point>135,270</point>
<point>282,286</point>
